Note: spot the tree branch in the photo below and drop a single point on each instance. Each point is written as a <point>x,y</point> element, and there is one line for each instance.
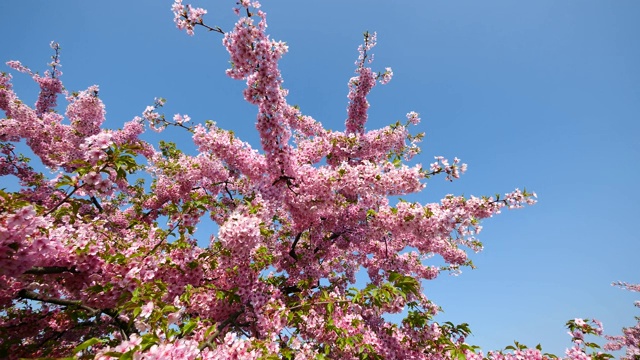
<point>215,28</point>
<point>43,270</point>
<point>231,319</point>
<point>31,295</point>
<point>96,203</point>
<point>227,189</point>
<point>299,306</point>
<point>333,236</point>
<point>75,188</point>
<point>292,252</point>
<point>124,327</point>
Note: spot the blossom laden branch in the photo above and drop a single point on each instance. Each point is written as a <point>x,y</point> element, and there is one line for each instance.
<point>188,17</point>
<point>219,329</point>
<point>31,295</point>
<point>122,325</point>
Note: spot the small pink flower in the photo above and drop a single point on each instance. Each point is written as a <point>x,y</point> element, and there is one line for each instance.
<point>386,76</point>
<point>147,309</point>
<point>413,118</point>
<point>104,186</point>
<point>92,178</point>
<point>94,155</point>
<point>179,119</point>
<point>577,336</point>
<point>174,317</point>
<point>142,326</point>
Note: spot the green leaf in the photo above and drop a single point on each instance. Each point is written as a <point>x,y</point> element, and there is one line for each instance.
<point>188,327</point>
<point>87,344</point>
<point>330,308</point>
<point>113,354</point>
<point>169,308</point>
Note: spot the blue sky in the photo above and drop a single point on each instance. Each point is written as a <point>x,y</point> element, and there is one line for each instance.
<point>543,95</point>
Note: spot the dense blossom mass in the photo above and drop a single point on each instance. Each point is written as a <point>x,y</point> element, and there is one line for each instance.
<point>97,260</point>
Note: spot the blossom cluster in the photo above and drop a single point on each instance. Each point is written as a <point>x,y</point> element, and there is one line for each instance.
<point>187,17</point>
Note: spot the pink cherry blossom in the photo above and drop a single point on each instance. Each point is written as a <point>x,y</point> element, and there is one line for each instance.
<point>146,310</point>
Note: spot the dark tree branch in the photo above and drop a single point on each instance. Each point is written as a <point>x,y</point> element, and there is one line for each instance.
<point>43,270</point>
<point>288,290</point>
<point>63,200</point>
<point>332,237</point>
<point>31,295</point>
<point>162,240</point>
<point>96,203</point>
<point>144,216</point>
<point>230,320</point>
<point>215,28</point>
<point>124,327</point>
<point>292,252</point>
<point>201,23</point>
<point>227,189</point>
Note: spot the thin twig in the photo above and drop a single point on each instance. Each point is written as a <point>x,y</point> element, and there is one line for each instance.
<point>321,303</point>
<point>209,342</point>
<point>64,200</point>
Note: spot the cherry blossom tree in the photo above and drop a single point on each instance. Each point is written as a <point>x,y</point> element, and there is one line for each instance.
<point>630,338</point>
<point>98,256</point>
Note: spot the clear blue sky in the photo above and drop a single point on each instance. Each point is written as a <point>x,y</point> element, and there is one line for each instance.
<point>542,94</point>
